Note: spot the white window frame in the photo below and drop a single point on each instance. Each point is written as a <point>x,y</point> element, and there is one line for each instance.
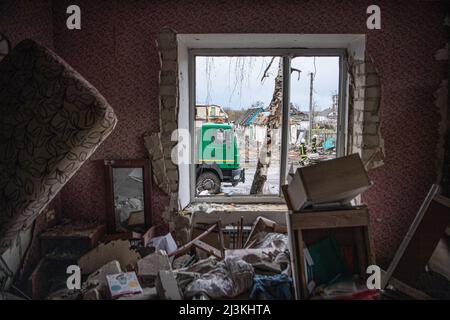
<point>287,55</point>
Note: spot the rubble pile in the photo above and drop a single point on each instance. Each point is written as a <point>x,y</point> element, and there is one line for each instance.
<point>148,267</point>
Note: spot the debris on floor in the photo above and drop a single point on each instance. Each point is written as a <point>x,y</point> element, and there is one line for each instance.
<point>230,278</point>
<point>114,250</point>
<point>65,294</point>
<point>166,243</point>
<point>152,265</point>
<point>148,293</point>
<point>260,225</point>
<point>199,244</point>
<point>149,266</point>
<point>96,285</point>
<point>167,286</point>
<point>244,259</point>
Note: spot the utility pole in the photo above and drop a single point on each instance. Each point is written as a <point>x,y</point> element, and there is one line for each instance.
<point>335,103</point>
<point>311,111</point>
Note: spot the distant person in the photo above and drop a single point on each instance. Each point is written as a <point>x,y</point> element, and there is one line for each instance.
<point>314,144</point>
<point>303,155</point>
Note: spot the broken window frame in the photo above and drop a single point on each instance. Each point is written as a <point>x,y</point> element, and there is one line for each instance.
<point>287,55</point>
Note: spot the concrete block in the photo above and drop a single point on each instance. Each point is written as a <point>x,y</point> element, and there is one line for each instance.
<point>359,105</point>
<point>169,127</point>
<point>372,80</point>
<point>369,117</point>
<point>153,263</point>
<point>168,90</point>
<point>168,78</point>
<point>169,54</point>
<point>370,128</point>
<point>169,66</point>
<point>168,102</point>
<point>98,278</point>
<point>372,105</point>
<point>166,39</point>
<point>370,141</point>
<point>167,286</point>
<point>372,92</point>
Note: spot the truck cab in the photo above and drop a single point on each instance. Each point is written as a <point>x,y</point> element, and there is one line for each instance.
<point>218,158</point>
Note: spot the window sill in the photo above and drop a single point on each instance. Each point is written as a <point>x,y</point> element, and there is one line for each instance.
<point>231,213</point>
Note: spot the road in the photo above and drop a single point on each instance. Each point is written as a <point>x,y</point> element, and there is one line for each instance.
<point>271,186</point>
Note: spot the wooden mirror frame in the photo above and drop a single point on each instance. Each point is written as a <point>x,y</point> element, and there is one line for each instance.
<point>109,185</point>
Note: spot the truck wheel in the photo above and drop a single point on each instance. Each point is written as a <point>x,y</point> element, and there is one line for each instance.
<point>208,181</point>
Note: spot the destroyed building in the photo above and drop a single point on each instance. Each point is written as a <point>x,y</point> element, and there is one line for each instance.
<point>113,187</point>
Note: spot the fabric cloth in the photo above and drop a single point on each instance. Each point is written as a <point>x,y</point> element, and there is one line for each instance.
<point>276,287</point>
<point>228,279</point>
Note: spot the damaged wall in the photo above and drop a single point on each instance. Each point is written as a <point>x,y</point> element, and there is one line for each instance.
<point>364,134</point>
<point>160,144</point>
<point>116,52</point>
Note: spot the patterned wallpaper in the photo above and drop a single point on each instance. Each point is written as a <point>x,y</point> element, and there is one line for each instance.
<point>115,51</point>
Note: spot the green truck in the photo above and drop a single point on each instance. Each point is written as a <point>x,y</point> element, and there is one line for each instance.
<point>218,158</point>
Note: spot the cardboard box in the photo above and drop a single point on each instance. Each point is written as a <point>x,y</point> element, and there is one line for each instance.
<point>331,181</point>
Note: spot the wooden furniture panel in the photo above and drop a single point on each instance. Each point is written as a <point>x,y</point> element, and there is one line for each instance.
<point>349,227</point>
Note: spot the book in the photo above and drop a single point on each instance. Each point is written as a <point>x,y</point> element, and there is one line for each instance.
<point>121,284</point>
<point>309,270</point>
<point>347,288</point>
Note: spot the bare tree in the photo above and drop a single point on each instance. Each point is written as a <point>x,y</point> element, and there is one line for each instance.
<point>273,123</point>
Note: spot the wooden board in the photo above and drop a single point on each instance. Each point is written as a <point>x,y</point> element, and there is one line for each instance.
<point>331,219</point>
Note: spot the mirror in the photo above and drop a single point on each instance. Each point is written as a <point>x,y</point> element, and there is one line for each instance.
<point>128,197</point>
<point>5,46</point>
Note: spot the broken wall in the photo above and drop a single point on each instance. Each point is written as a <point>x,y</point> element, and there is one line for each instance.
<point>364,133</point>
<point>116,52</point>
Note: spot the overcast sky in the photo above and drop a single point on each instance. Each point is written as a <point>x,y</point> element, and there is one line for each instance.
<point>235,82</point>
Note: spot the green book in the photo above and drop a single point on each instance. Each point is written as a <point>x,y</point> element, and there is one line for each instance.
<point>328,261</point>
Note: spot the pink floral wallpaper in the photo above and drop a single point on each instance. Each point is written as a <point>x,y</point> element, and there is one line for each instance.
<point>116,52</point>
